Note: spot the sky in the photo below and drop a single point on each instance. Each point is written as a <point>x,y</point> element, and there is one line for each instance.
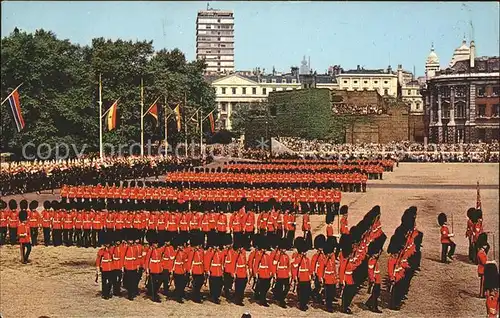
<point>279,34</point>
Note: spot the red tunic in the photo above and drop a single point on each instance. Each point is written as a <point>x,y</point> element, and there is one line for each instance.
<point>23,233</point>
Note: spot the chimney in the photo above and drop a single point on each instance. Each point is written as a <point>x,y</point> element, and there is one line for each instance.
<point>389,69</point>
<point>472,53</point>
<point>359,67</point>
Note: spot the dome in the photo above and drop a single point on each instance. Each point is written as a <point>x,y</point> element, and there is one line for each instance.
<point>432,58</point>
<point>461,53</point>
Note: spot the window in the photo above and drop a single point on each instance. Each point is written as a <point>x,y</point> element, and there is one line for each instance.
<point>481,110</point>
<point>386,91</point>
<point>274,89</point>
<point>481,134</point>
<point>264,91</point>
<point>294,80</point>
<point>234,90</point>
<point>409,92</point>
<point>366,82</point>
<point>496,110</point>
<point>417,106</point>
<point>263,80</point>
<point>386,82</point>
<point>223,123</point>
<point>223,107</point>
<point>376,82</point>
<point>460,110</point>
<point>218,63</point>
<point>355,82</point>
<point>254,90</point>
<point>244,90</point>
<point>460,134</point>
<point>345,82</point>
<point>481,91</point>
<point>283,80</point>
<point>218,20</point>
<point>273,80</point>
<point>495,91</point>
<point>223,89</point>
<point>218,39</point>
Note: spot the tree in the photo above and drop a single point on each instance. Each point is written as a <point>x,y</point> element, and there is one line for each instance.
<point>242,113</point>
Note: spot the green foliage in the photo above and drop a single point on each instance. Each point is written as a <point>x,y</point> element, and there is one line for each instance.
<point>59,96</point>
<point>242,114</point>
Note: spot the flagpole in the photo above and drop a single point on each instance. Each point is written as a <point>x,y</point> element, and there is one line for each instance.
<point>202,154</point>
<point>100,119</point>
<point>142,118</point>
<point>166,124</point>
<point>8,96</point>
<point>185,124</point>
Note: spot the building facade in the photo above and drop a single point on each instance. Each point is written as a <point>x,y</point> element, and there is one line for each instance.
<point>215,40</point>
<point>462,102</point>
<point>385,82</point>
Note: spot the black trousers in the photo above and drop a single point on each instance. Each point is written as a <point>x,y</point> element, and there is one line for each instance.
<point>215,287</point>
<point>3,235</point>
<point>86,238</point>
<point>198,281</point>
<point>315,292</point>
<point>13,235</point>
<point>290,235</point>
<point>281,289</point>
<point>34,235</point>
<point>46,236</point>
<point>106,283</point>
<point>26,250</point>
<point>154,285</point>
<point>68,237</point>
<point>263,285</point>
<point>303,293</point>
<point>237,238</point>
<point>447,249</point>
<point>472,251</point>
<point>93,237</point>
<point>165,281</point>
<point>330,292</point>
<point>395,295</point>
<point>117,283</point>
<point>57,237</point>
<point>78,237</point>
<point>239,289</point>
<point>373,300</point>
<point>228,284</point>
<point>347,296</point>
<point>130,283</point>
<point>211,237</point>
<point>180,282</point>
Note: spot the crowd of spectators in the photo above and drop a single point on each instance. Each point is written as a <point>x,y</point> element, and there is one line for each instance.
<point>344,108</point>
<point>31,176</point>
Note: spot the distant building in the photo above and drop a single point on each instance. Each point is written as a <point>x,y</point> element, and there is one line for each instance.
<point>385,82</point>
<point>409,91</point>
<point>462,102</point>
<point>215,40</point>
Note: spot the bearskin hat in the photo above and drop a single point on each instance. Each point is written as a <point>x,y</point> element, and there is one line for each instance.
<point>479,214</point>
<point>418,239</point>
<point>3,204</point>
<point>23,204</point>
<point>344,209</point>
<point>330,245</point>
<point>33,205</point>
<point>482,240</point>
<point>470,213</point>
<point>442,219</point>
<point>413,210</point>
<point>319,241</point>
<point>300,244</point>
<point>396,243</point>
<point>12,204</point>
<point>23,215</point>
<point>377,245</point>
<point>491,277</point>
<point>55,205</point>
<point>345,245</point>
<point>282,244</point>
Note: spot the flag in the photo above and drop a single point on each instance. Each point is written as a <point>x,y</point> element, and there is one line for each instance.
<point>153,111</point>
<point>478,199</point>
<point>212,122</point>
<point>111,117</point>
<point>15,106</point>
<point>177,111</point>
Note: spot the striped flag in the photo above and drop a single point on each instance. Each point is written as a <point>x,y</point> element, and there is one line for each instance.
<point>15,106</point>
<point>212,122</point>
<point>478,199</point>
<point>111,117</point>
<point>177,111</point>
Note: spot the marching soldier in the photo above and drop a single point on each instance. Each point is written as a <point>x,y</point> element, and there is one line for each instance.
<point>167,262</point>
<point>57,223</point>
<point>302,273</point>
<point>375,280</point>
<point>446,242</point>
<point>24,237</point>
<point>263,272</point>
<point>34,221</point>
<point>118,251</point>
<point>255,254</point>
<point>13,221</point>
<point>344,226</point>
<point>130,266</point>
<point>241,274</point>
<point>221,226</point>
<point>87,227</point>
<point>491,290</point>
<point>154,268</point>
<point>79,228</point>
<point>306,229</point>
<point>96,232</point>
<point>229,265</point>
<point>4,214</point>
<point>469,233</point>
<point>482,247</point>
<point>318,261</point>
<point>180,269</point>
<point>289,220</point>
<point>282,273</point>
<point>328,273</point>
<point>195,267</point>
<point>346,272</point>
<point>213,268</point>
<point>249,227</point>
<point>104,264</point>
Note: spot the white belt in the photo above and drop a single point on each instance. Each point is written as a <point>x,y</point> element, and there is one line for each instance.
<point>106,260</point>
<point>129,258</point>
<point>215,264</point>
<point>348,273</point>
<point>155,261</point>
<point>282,267</point>
<point>326,272</point>
<point>228,262</point>
<point>115,259</point>
<point>260,266</point>
<point>177,263</point>
<point>166,259</point>
<point>371,266</point>
<point>197,263</point>
<point>303,270</point>
<point>377,272</point>
<point>239,266</point>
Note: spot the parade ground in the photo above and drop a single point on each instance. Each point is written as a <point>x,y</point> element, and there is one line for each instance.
<point>59,281</point>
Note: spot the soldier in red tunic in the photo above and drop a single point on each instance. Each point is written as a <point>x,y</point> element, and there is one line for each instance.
<point>104,263</point>
<point>13,219</point>
<point>241,274</point>
<point>213,268</point>
<point>374,277</point>
<point>23,233</point>
<point>446,241</point>
<point>34,221</point>
<point>195,267</point>
<point>318,261</point>
<point>328,273</point>
<point>302,273</point>
<point>482,247</point>
<point>491,290</point>
<point>4,214</point>
<point>281,271</point>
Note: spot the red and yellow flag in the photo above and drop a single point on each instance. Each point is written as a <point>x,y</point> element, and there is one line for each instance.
<point>153,111</point>
<point>212,122</point>
<point>111,116</point>
<point>478,198</point>
<point>177,111</point>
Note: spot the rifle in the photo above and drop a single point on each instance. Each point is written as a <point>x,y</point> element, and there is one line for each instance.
<point>294,286</point>
<point>452,231</point>
<point>96,277</point>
